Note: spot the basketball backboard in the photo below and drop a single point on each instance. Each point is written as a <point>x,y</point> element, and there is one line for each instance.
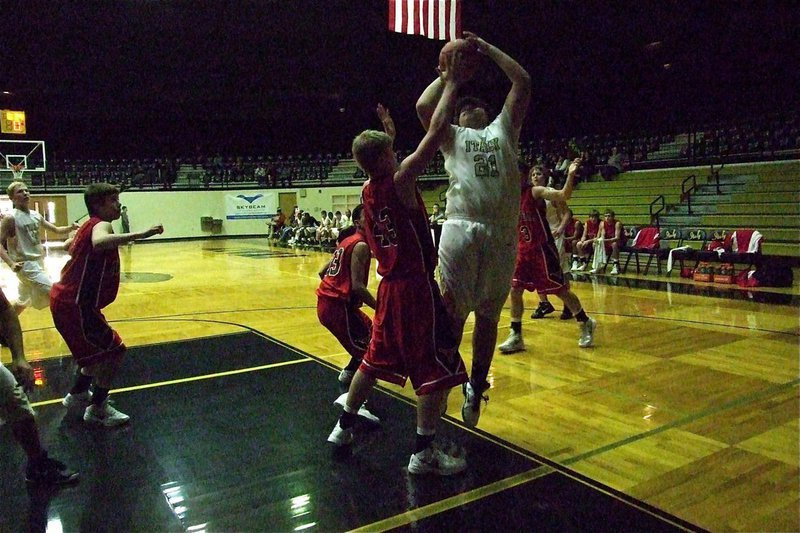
<point>30,154</point>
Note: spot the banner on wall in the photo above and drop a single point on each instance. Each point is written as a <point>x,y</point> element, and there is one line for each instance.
<point>250,205</point>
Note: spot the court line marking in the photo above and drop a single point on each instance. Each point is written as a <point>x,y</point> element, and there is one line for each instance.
<point>506,312</point>
<point>189,379</point>
<point>453,502</point>
<point>431,509</point>
<point>742,400</point>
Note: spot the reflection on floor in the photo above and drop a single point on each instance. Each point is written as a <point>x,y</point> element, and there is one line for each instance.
<point>228,433</point>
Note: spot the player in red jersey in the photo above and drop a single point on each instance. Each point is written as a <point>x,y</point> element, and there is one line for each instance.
<point>538,266</point>
<point>412,337</point>
<point>89,282</point>
<point>572,233</point>
<point>585,244</point>
<point>340,295</point>
<point>612,237</point>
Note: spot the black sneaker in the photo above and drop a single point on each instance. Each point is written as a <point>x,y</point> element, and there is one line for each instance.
<point>545,308</point>
<point>566,314</point>
<point>48,471</point>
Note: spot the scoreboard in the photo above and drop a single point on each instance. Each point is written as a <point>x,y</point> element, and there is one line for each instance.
<point>12,121</point>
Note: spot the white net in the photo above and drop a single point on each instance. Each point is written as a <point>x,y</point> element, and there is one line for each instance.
<point>17,171</point>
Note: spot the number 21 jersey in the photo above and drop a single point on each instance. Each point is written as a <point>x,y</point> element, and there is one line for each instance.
<point>482,169</point>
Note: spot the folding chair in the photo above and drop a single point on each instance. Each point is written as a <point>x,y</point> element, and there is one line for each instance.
<point>647,242</point>
<point>745,248</point>
<point>695,238</point>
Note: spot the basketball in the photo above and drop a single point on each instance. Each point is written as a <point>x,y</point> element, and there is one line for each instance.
<point>468,50</point>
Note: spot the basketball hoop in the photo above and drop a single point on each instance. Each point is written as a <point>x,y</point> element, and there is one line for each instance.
<point>17,170</point>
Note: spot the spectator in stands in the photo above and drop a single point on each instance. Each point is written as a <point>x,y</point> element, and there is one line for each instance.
<point>338,225</point>
<point>588,167</point>
<point>347,219</point>
<point>306,233</point>
<point>436,220</point>
<point>613,165</point>
<point>324,230</point>
<point>260,174</point>
<point>560,169</point>
<point>124,220</point>
<point>585,245</point>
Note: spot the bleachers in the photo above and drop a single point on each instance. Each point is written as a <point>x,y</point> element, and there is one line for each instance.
<point>761,196</point>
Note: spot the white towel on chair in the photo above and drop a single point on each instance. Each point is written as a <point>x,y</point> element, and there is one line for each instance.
<point>669,259</point>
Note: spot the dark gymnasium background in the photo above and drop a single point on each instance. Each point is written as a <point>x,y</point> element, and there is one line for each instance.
<point>123,78</point>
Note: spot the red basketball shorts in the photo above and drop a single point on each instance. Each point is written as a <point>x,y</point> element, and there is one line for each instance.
<point>412,337</point>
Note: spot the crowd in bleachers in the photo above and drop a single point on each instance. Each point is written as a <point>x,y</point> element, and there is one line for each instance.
<point>767,134</point>
<point>302,229</point>
<point>606,154</point>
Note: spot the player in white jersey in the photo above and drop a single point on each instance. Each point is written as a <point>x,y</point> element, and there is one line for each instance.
<point>27,254</point>
<point>478,245</point>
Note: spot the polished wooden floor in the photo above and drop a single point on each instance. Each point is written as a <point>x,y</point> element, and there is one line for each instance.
<point>688,402</point>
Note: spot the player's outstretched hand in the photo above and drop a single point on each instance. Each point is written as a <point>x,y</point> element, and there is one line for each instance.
<point>479,43</point>
<point>158,229</point>
<point>574,167</point>
<point>455,70</point>
<point>386,120</point>
<point>383,113</point>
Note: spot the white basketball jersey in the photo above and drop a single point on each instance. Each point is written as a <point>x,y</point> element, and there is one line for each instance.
<point>28,246</point>
<point>482,168</point>
<point>552,213</point>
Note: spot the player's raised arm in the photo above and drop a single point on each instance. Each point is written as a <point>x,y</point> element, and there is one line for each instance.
<point>413,165</point>
<point>386,120</point>
<point>519,95</point>
<point>427,101</point>
<point>104,238</point>
<point>359,262</point>
<point>563,194</point>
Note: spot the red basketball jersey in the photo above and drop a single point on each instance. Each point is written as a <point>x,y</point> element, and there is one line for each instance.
<point>533,229</point>
<point>610,229</point>
<point>592,228</point>
<point>338,278</point>
<point>399,237</point>
<point>91,277</point>
<point>569,230</point>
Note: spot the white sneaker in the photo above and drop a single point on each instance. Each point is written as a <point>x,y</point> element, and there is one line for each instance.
<point>432,460</point>
<point>615,269</point>
<point>587,333</point>
<point>581,267</point>
<point>513,343</point>
<point>105,416</point>
<point>576,265</point>
<point>346,376</point>
<point>363,412</point>
<point>471,410</point>
<point>340,436</point>
<point>83,399</point>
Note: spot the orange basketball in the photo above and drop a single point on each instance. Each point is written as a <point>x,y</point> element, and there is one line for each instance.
<point>467,49</point>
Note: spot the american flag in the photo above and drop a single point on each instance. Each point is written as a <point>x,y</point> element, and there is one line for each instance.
<point>435,19</point>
